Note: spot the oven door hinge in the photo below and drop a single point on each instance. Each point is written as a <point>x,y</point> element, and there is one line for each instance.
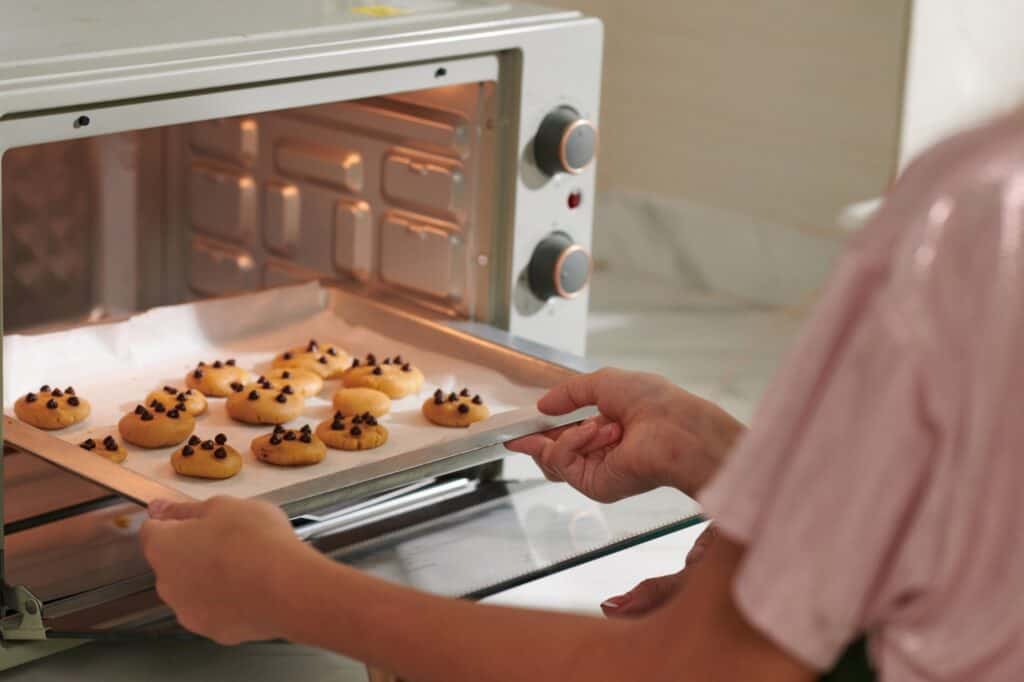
<point>22,615</point>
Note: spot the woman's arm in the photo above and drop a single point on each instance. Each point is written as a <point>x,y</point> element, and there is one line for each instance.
<point>270,585</point>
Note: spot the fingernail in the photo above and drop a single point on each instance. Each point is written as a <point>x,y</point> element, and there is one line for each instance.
<point>156,507</point>
<point>615,602</point>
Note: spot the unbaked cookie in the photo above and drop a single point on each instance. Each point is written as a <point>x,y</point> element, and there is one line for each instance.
<point>52,408</point>
<point>457,410</point>
<point>289,447</point>
<point>207,458</point>
<point>263,403</point>
<point>393,376</point>
<point>325,360</point>
<point>303,381</point>
<point>359,432</point>
<point>108,447</point>
<point>156,427</point>
<point>216,380</point>
<point>361,400</point>
<point>190,400</point>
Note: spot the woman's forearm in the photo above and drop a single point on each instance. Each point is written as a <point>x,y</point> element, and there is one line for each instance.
<point>423,637</point>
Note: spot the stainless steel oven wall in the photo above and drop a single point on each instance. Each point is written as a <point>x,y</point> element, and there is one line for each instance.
<point>392,193</point>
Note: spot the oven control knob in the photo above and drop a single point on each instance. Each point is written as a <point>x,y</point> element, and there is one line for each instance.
<point>565,143</point>
<point>559,268</point>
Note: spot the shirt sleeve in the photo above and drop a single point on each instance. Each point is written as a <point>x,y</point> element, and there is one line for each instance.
<point>821,488</point>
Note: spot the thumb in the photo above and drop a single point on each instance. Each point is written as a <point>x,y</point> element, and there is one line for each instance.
<point>165,510</point>
<point>644,598</point>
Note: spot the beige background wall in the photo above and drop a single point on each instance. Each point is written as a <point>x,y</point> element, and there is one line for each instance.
<point>783,111</point>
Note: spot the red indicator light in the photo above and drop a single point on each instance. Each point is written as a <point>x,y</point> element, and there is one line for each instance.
<point>575,199</point>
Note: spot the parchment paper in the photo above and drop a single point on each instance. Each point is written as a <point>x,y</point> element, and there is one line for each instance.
<point>114,366</point>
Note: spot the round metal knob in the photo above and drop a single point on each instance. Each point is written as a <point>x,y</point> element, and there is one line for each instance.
<point>559,267</point>
<point>565,142</point>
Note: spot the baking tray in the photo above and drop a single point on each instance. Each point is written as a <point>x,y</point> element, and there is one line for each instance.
<point>114,365</point>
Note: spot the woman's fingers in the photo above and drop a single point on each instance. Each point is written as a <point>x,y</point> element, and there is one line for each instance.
<point>562,453</point>
<point>164,510</point>
<point>644,598</point>
<point>602,387</point>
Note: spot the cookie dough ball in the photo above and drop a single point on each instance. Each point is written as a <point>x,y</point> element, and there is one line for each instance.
<point>52,408</point>
<point>262,403</point>
<point>207,458</point>
<point>393,376</point>
<point>360,432</point>
<point>456,410</point>
<point>108,447</point>
<point>305,382</point>
<point>326,361</point>
<point>289,447</point>
<point>216,380</point>
<point>156,427</point>
<point>190,400</point>
<point>361,401</point>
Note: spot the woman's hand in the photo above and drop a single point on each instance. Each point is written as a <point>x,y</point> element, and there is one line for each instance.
<point>650,433</point>
<point>224,565</point>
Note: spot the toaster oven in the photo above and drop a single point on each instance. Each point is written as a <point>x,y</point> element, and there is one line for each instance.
<point>425,165</point>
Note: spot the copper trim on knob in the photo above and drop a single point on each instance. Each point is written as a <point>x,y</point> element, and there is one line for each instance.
<point>558,271</point>
<point>563,157</point>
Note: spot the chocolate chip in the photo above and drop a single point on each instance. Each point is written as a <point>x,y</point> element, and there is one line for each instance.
<point>377,371</point>
<point>306,428</point>
<point>51,404</point>
<point>220,453</point>
<point>188,451</point>
<point>398,359</point>
<point>407,367</point>
<point>173,413</point>
<point>207,445</point>
<point>439,394</point>
<point>289,435</point>
<point>139,409</point>
<point>147,416</point>
<point>201,364</point>
<point>464,393</point>
<point>463,408</point>
<point>331,351</point>
<point>45,388</point>
<point>194,440</point>
<point>312,346</point>
<point>220,439</point>
<point>237,387</point>
<point>180,407</point>
<point>286,374</point>
<point>358,419</point>
<point>31,398</point>
<point>69,390</point>
<point>230,363</point>
<point>159,408</point>
<point>108,440</point>
<point>87,444</point>
<point>337,425</point>
<point>218,364</point>
<point>57,393</point>
<point>306,438</point>
<point>170,390</point>
<point>182,397</point>
<point>110,444</point>
<point>198,374</point>
<point>322,360</point>
<point>452,398</point>
<point>355,362</point>
<point>439,399</point>
<point>275,439</point>
<point>339,415</point>
<point>371,359</point>
<point>278,429</point>
<point>253,395</point>
<point>356,431</point>
<point>73,401</point>
<point>477,400</point>
<point>281,398</point>
<point>387,361</point>
<point>154,402</point>
<point>287,356</point>
<point>371,421</point>
<point>287,390</point>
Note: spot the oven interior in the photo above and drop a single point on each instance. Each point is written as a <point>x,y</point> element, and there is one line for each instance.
<point>394,195</point>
